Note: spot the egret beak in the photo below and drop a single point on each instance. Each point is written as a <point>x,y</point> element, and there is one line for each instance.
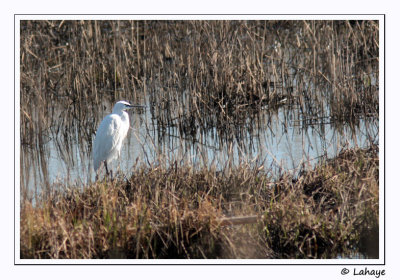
<point>135,106</point>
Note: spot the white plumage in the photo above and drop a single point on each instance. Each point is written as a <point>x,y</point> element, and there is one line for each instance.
<point>110,135</point>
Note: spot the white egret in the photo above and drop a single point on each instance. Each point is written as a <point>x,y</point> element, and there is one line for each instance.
<point>111,133</point>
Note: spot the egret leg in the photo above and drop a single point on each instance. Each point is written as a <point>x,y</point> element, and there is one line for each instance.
<point>108,172</point>
<point>105,165</point>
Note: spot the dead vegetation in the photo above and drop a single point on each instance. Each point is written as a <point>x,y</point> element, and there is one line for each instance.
<point>177,212</point>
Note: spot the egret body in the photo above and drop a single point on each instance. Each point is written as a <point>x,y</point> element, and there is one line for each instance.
<point>110,135</point>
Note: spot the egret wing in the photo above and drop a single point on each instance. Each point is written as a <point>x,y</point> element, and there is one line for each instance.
<point>106,140</point>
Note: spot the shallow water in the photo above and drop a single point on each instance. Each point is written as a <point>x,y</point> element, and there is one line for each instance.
<point>281,142</point>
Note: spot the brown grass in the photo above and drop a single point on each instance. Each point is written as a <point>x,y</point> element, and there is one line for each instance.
<point>176,213</point>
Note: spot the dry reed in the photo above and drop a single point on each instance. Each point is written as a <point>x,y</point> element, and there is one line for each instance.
<point>180,212</point>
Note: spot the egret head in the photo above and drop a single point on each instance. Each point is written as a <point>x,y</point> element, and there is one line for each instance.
<point>121,106</point>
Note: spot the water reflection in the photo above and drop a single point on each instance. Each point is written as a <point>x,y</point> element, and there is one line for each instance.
<point>280,141</point>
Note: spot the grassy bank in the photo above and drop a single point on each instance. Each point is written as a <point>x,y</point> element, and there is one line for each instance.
<point>179,212</point>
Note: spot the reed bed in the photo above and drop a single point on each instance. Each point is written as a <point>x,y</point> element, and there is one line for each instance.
<point>226,79</point>
<point>177,212</point>
<point>201,77</point>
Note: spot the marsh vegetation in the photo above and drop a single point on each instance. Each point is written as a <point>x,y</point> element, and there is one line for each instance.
<point>223,96</point>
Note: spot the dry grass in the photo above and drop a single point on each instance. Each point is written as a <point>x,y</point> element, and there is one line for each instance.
<point>176,213</point>
<point>331,209</point>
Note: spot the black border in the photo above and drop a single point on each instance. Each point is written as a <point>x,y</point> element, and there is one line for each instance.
<point>224,264</point>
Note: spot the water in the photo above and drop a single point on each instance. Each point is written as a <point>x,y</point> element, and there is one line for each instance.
<point>280,142</point>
